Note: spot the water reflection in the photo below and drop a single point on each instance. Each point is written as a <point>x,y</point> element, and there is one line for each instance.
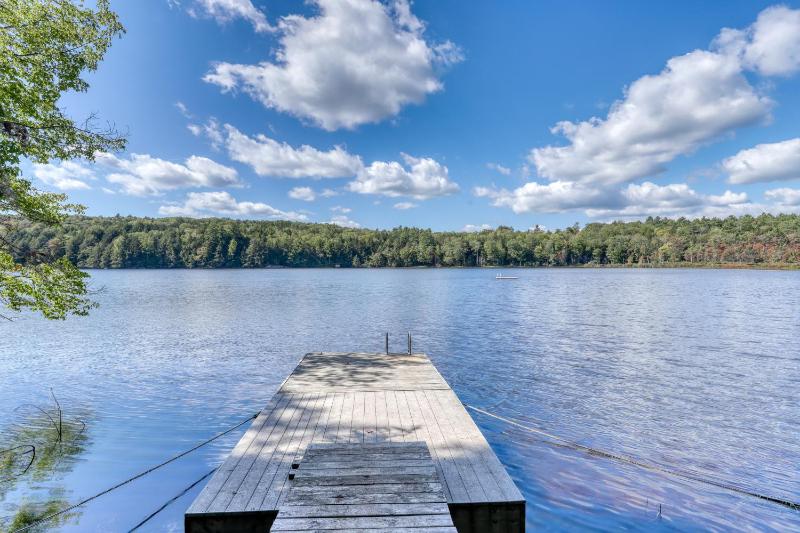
<point>37,450</point>
<point>692,368</point>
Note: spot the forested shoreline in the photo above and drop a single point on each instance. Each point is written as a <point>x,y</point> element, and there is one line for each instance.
<point>135,242</point>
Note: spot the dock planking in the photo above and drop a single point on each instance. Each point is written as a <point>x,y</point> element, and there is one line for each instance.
<point>346,407</point>
<point>401,497</point>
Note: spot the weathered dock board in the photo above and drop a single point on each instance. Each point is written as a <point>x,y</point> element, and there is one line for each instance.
<point>360,398</point>
<point>341,487</point>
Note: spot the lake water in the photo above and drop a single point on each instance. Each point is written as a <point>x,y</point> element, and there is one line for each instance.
<point>694,369</point>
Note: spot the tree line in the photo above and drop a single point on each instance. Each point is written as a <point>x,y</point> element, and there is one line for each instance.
<point>135,242</point>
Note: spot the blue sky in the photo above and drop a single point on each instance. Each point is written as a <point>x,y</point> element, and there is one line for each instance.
<point>445,114</point>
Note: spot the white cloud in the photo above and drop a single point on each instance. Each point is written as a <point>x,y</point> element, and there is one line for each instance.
<point>505,171</point>
<point>65,176</point>
<point>183,109</point>
<point>210,129</point>
<point>696,99</point>
<point>765,162</point>
<point>549,198</point>
<point>223,11</point>
<point>340,209</point>
<point>303,193</point>
<point>143,175</point>
<point>269,157</point>
<point>672,196</point>
<point>633,201</point>
<point>203,204</point>
<point>784,197</point>
<point>405,205</point>
<point>420,178</point>
<point>424,178</point>
<point>472,228</point>
<point>770,46</point>
<point>343,221</point>
<point>727,198</point>
<point>675,199</point>
<point>356,62</point>
<point>723,211</point>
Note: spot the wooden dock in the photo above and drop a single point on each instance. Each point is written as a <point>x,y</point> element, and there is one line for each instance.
<point>368,414</point>
<point>340,487</point>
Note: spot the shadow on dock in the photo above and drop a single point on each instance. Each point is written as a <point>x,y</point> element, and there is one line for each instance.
<point>360,399</point>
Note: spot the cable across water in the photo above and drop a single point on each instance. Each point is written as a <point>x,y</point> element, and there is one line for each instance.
<point>642,464</point>
<point>133,478</point>
<point>170,501</point>
<point>558,440</point>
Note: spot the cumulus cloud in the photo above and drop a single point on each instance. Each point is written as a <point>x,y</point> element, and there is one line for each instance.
<point>271,158</point>
<point>405,205</point>
<point>765,162</point>
<point>223,11</point>
<point>695,99</point>
<point>65,175</point>
<point>204,204</point>
<point>675,199</point>
<point>549,198</point>
<point>667,197</point>
<point>355,62</point>
<point>727,198</point>
<point>770,46</point>
<point>303,193</point>
<point>635,200</point>
<point>343,221</point>
<point>784,197</point>
<point>340,209</point>
<point>144,175</point>
<point>420,178</point>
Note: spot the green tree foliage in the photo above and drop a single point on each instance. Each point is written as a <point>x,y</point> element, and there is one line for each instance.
<point>47,45</point>
<point>131,242</point>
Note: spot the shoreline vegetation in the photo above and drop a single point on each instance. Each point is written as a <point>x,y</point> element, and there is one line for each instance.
<point>762,242</point>
<point>587,266</point>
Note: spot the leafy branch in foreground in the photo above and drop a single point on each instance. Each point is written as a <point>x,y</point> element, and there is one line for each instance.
<point>47,45</point>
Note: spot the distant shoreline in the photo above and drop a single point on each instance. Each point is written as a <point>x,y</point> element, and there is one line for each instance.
<point>681,266</point>
<point>764,242</point>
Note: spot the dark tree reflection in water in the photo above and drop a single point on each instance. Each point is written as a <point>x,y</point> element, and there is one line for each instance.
<point>38,448</point>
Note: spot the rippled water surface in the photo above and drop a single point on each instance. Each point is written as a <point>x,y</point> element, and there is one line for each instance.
<point>695,369</point>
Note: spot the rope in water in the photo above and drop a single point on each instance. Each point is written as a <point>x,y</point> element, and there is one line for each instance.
<point>171,500</point>
<point>642,464</point>
<point>133,478</point>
